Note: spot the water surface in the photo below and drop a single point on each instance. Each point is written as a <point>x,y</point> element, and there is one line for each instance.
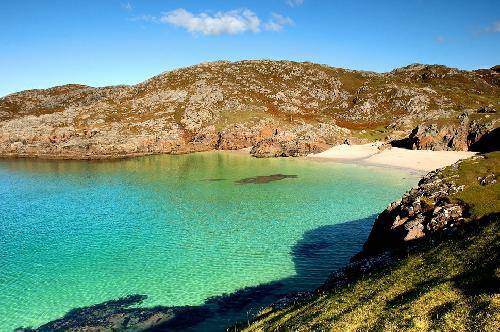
<point>179,229</point>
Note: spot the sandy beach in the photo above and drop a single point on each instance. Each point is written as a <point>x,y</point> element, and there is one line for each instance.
<point>369,154</point>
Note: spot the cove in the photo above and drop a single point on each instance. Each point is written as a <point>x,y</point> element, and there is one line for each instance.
<point>179,229</point>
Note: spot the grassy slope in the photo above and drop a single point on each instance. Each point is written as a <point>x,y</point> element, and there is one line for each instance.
<point>482,200</point>
<point>452,286</point>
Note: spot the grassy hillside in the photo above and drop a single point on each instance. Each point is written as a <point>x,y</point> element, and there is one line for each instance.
<point>480,199</point>
<point>451,285</point>
<point>231,105</point>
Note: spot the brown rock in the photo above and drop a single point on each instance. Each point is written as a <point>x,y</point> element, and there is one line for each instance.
<point>464,136</point>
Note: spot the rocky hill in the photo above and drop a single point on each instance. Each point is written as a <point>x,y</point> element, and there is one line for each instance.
<point>431,263</point>
<point>279,108</point>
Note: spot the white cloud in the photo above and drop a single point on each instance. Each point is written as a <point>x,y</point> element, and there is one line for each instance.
<point>230,22</point>
<point>294,3</point>
<point>277,22</point>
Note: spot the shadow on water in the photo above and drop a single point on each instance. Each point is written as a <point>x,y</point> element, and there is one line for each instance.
<point>262,179</point>
<point>315,256</point>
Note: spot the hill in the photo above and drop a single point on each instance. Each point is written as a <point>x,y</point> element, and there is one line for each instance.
<point>279,108</point>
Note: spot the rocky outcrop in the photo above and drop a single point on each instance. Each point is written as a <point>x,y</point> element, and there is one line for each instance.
<point>464,136</point>
<point>276,148</point>
<point>281,108</point>
<point>425,212</point>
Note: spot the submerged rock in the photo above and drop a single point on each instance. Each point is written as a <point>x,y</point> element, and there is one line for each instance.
<point>265,179</point>
<point>108,316</point>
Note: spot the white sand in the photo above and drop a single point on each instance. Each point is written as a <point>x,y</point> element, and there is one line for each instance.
<point>369,154</point>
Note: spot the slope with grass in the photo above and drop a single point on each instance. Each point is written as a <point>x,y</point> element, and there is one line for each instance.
<point>283,108</point>
<point>448,280</point>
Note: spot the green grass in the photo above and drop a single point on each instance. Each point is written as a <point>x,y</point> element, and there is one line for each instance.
<point>450,286</point>
<point>481,200</point>
<point>377,134</point>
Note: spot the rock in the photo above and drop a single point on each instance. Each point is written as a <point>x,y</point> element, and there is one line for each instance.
<point>464,136</point>
<point>301,107</point>
<point>293,148</point>
<point>265,179</point>
<point>488,180</point>
<point>235,138</point>
<point>487,109</point>
<point>267,148</point>
<point>108,316</point>
<point>484,140</point>
<point>424,212</point>
<point>384,146</point>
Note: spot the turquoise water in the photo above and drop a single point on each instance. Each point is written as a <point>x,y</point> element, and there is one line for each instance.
<point>176,228</point>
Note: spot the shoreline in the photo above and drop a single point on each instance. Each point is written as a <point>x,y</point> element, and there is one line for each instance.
<point>420,161</point>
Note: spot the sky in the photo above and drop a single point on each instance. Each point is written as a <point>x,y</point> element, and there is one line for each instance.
<point>44,43</point>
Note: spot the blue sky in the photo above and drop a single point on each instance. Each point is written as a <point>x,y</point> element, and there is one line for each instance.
<point>105,42</point>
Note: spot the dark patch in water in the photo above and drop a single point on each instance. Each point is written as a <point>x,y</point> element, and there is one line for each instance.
<point>265,179</point>
<point>311,250</point>
<point>319,252</point>
<point>240,299</point>
<point>114,314</point>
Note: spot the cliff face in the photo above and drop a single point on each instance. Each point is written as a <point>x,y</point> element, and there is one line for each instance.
<point>279,108</point>
<point>466,135</point>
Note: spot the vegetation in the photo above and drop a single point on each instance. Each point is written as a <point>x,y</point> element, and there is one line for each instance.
<point>227,105</point>
<point>481,199</point>
<point>449,286</point>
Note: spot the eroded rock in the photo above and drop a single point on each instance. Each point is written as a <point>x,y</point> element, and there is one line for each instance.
<point>423,212</point>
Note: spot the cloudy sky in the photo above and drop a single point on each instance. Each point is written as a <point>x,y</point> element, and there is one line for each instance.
<point>103,42</point>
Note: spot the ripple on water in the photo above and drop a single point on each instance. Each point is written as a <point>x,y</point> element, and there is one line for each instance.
<point>75,234</point>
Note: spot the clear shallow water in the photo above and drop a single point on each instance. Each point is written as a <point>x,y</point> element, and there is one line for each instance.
<point>176,228</point>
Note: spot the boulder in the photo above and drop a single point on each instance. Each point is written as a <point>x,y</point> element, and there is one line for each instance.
<point>287,148</point>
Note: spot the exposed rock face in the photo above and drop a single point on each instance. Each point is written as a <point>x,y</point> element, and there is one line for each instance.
<point>274,148</point>
<point>423,212</point>
<point>464,136</point>
<point>281,108</point>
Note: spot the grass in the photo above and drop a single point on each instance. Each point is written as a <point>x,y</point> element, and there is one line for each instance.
<point>481,200</point>
<point>450,286</point>
<point>377,134</point>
